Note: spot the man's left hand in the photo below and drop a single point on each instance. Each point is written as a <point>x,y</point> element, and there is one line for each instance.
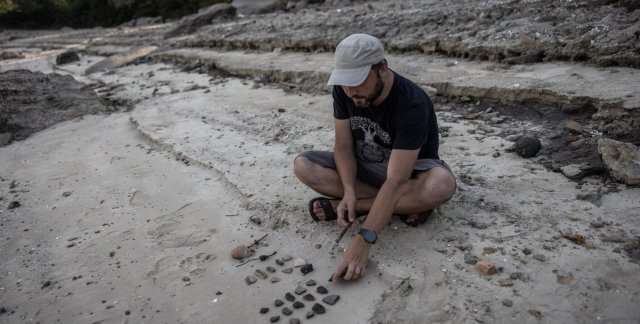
<point>354,260</point>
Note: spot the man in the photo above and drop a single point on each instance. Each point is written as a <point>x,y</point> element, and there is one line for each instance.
<point>385,159</point>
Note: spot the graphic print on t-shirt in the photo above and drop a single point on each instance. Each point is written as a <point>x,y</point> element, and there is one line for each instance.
<point>372,143</point>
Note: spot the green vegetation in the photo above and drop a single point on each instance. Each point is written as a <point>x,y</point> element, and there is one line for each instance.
<point>91,13</point>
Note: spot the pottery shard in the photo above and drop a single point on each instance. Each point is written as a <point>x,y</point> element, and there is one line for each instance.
<point>300,290</point>
<point>287,270</point>
<point>250,279</point>
<point>278,303</point>
<point>298,304</point>
<point>299,263</point>
<point>240,252</point>
<point>310,314</point>
<point>331,299</point>
<point>261,274</point>
<point>621,159</point>
<point>309,297</point>
<point>318,309</point>
<point>486,267</point>
<point>286,311</point>
<point>289,297</point>
<point>322,290</point>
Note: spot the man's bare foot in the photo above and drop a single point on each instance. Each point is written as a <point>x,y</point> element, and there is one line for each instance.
<point>416,219</point>
<point>319,211</point>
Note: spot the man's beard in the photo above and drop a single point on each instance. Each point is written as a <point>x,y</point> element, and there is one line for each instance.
<point>377,92</point>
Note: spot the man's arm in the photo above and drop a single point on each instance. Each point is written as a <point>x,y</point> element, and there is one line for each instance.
<point>347,169</point>
<point>355,257</point>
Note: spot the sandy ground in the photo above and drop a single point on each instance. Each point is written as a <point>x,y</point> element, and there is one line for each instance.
<point>130,217</point>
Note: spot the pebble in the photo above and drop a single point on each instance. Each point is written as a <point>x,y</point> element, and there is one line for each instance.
<point>310,314</point>
<point>271,269</point>
<point>279,262</point>
<point>264,310</point>
<point>322,290</point>
<point>298,304</point>
<point>275,279</point>
<point>489,250</point>
<point>486,267</point>
<point>331,299</point>
<point>286,311</point>
<point>274,319</point>
<point>540,257</point>
<point>300,290</point>
<point>318,245</point>
<point>260,274</point>
<point>240,252</point>
<point>287,270</point>
<point>507,302</point>
<point>286,258</point>
<point>505,282</point>
<point>318,309</point>
<point>278,303</point>
<point>289,297</point>
<point>250,279</point>
<point>309,297</point>
<point>14,204</point>
<point>299,263</point>
<point>294,321</point>
<point>306,268</point>
<point>470,259</point>
<point>255,219</point>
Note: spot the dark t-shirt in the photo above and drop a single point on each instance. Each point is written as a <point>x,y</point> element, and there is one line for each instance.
<point>405,120</point>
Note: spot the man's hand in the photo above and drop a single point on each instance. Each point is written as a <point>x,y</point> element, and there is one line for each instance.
<point>354,260</point>
<point>347,210</point>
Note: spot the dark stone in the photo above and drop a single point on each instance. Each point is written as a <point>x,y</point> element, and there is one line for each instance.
<point>306,268</point>
<point>527,146</point>
<point>310,314</point>
<point>331,299</point>
<point>191,23</point>
<point>298,304</point>
<point>507,302</point>
<point>14,204</point>
<point>278,302</point>
<point>300,290</point>
<point>309,297</point>
<point>67,57</point>
<point>286,311</point>
<point>289,297</point>
<point>271,269</point>
<point>470,259</point>
<point>322,290</point>
<point>264,310</point>
<point>274,319</point>
<point>294,321</point>
<point>318,309</point>
<point>279,262</point>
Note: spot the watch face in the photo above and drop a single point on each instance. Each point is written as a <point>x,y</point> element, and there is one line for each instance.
<point>368,235</point>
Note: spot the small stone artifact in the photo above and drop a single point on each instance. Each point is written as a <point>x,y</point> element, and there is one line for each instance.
<point>287,270</point>
<point>299,263</point>
<point>332,299</point>
<point>286,311</point>
<point>298,304</point>
<point>250,279</point>
<point>264,310</point>
<point>309,297</point>
<point>271,269</point>
<point>318,309</point>
<point>289,297</point>
<point>275,319</point>
<point>300,290</point>
<point>306,268</point>
<point>260,274</point>
<point>278,302</point>
<point>310,314</point>
<point>311,283</point>
<point>322,290</point>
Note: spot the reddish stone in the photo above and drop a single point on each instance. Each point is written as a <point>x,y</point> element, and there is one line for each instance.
<point>486,267</point>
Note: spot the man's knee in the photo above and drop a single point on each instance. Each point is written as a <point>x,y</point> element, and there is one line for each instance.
<point>440,185</point>
<point>303,168</point>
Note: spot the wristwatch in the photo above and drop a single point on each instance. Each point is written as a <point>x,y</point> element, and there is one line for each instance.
<point>368,235</point>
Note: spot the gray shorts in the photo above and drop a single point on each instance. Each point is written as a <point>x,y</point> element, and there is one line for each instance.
<point>373,173</point>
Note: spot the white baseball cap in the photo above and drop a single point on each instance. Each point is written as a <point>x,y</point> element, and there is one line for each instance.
<point>354,57</point>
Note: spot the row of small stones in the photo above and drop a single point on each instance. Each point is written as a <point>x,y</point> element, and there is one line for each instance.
<point>304,268</point>
<point>315,309</point>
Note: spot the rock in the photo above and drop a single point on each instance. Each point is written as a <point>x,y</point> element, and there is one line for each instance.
<point>10,55</point>
<point>322,290</point>
<point>572,171</point>
<point>287,258</point>
<point>5,139</point>
<point>240,252</point>
<point>250,279</point>
<point>206,16</point>
<point>253,7</point>
<point>118,60</point>
<point>298,304</point>
<point>275,279</point>
<point>310,283</point>
<point>294,321</point>
<point>540,257</point>
<point>279,262</point>
<point>14,204</point>
<point>310,314</point>
<point>574,127</point>
<point>505,282</point>
<point>286,311</point>
<point>318,309</point>
<point>489,250</point>
<point>278,302</point>
<point>527,251</point>
<point>299,263</point>
<point>309,297</point>
<point>255,219</point>
<point>186,279</point>
<point>67,57</point>
<point>331,299</point>
<point>288,296</point>
<point>260,274</point>
<point>274,319</point>
<point>536,313</point>
<point>507,302</point>
<point>318,245</point>
<point>300,290</point>
<point>306,268</point>
<point>271,269</point>
<point>622,160</point>
<point>264,310</point>
<point>470,259</point>
<point>486,267</point>
<point>527,146</point>
<point>66,194</point>
<point>287,270</point>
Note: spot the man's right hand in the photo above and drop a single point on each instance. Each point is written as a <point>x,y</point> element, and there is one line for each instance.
<point>347,209</point>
